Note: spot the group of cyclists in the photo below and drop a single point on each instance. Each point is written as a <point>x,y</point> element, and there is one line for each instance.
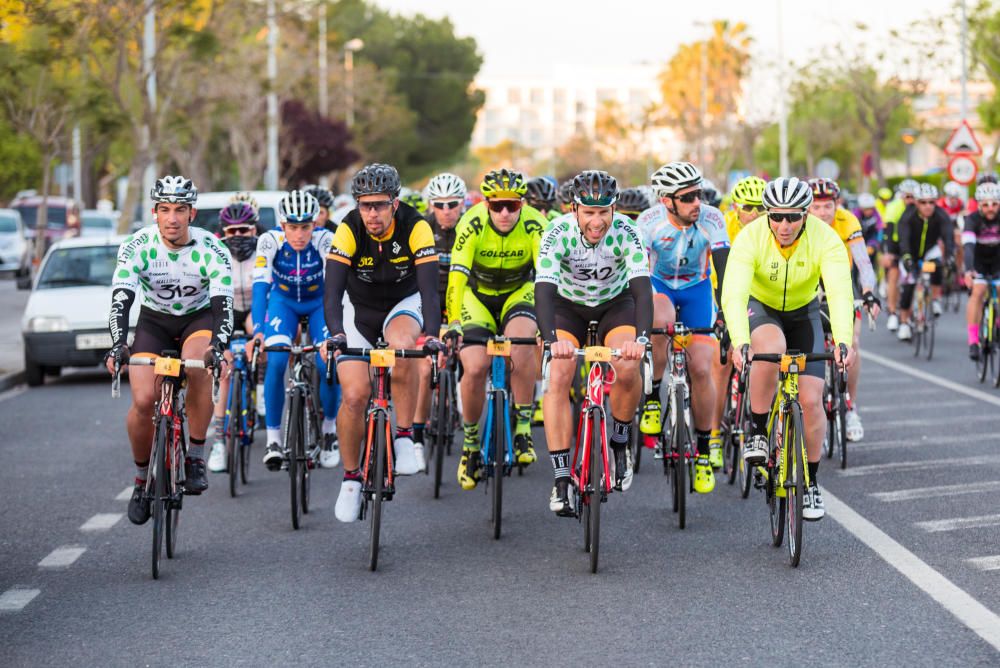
<point>784,264</point>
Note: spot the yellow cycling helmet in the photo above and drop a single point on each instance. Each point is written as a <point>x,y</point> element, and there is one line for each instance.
<point>749,191</point>
<point>504,184</point>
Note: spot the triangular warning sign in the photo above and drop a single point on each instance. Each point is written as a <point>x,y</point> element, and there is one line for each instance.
<point>963,141</point>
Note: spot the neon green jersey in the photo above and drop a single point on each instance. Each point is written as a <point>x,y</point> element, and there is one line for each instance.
<point>788,279</point>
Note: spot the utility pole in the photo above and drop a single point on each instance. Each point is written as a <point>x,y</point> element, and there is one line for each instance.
<point>324,99</point>
<point>965,71</point>
<point>271,173</point>
<point>149,73</point>
<point>782,103</point>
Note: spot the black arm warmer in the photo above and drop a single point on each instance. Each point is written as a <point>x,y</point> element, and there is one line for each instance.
<point>719,258</point>
<point>948,234</point>
<point>903,233</point>
<point>430,300</point>
<point>545,300</point>
<point>969,255</point>
<point>642,292</point>
<point>333,296</point>
<point>222,321</point>
<point>121,304</point>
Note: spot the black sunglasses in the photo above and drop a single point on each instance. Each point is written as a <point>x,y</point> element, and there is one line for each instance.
<point>512,205</point>
<point>380,205</point>
<point>446,205</point>
<point>782,217</point>
<point>687,198</point>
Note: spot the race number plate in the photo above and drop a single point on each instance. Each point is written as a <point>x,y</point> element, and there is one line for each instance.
<point>597,354</point>
<point>167,366</point>
<point>498,348</point>
<point>928,267</point>
<point>383,358</point>
<point>788,360</point>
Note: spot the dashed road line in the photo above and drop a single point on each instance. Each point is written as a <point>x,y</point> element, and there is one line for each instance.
<point>939,420</point>
<point>925,440</point>
<point>15,598</point>
<point>897,407</point>
<point>125,494</point>
<point>976,616</point>
<point>62,557</point>
<point>931,378</point>
<point>101,522</point>
<point>975,522</point>
<point>985,563</point>
<point>904,466</point>
<point>937,491</point>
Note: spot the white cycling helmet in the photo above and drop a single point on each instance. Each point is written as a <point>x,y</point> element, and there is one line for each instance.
<point>175,190</point>
<point>953,189</point>
<point>298,206</point>
<point>926,191</point>
<point>675,176</point>
<point>908,187</point>
<point>445,186</point>
<point>866,201</point>
<point>988,192</point>
<point>787,193</point>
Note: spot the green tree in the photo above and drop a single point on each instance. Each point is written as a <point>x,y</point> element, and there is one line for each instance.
<point>984,28</point>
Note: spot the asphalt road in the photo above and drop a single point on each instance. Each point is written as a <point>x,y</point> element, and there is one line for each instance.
<point>12,303</point>
<point>898,573</point>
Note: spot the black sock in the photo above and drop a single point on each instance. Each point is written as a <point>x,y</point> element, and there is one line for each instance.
<point>702,438</point>
<point>813,470</point>
<point>560,463</point>
<point>418,432</point>
<point>655,394</point>
<point>759,422</point>
<point>620,434</point>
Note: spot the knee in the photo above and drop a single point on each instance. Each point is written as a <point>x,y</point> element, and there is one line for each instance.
<point>354,400</point>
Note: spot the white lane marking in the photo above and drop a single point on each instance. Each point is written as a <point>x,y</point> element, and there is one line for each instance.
<point>976,522</point>
<point>977,439</point>
<point>959,603</point>
<point>61,557</point>
<point>937,492</point>
<point>938,420</point>
<point>101,522</point>
<point>16,598</point>
<point>898,467</point>
<point>13,392</point>
<point>985,563</point>
<point>125,494</point>
<point>931,378</point>
<point>886,408</point>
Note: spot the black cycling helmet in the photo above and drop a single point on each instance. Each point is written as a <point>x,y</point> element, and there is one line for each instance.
<point>541,191</point>
<point>322,195</point>
<point>633,200</point>
<point>564,194</point>
<point>710,194</point>
<point>987,177</point>
<point>376,179</point>
<point>593,187</point>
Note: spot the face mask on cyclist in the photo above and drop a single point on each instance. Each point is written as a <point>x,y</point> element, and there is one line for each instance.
<point>242,247</point>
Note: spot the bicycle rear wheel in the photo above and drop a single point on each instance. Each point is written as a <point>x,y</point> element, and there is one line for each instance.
<point>159,489</point>
<point>597,485</point>
<point>499,455</point>
<point>293,427</point>
<point>233,441</point>
<point>795,484</point>
<point>377,485</point>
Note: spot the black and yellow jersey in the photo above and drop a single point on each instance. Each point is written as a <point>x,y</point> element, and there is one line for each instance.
<point>383,269</point>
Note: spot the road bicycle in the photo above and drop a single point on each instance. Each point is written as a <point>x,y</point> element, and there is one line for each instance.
<point>989,335</point>
<point>445,419</point>
<point>241,416</point>
<point>923,315</point>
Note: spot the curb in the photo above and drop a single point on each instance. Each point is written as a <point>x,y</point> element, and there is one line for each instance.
<point>9,380</point>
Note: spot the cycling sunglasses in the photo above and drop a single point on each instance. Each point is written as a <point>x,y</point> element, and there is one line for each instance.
<point>498,205</point>
<point>782,217</point>
<point>752,208</point>
<point>380,205</point>
<point>687,198</point>
<point>238,231</point>
<point>447,205</point>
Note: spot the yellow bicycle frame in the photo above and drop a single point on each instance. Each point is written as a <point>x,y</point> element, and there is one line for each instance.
<point>788,392</point>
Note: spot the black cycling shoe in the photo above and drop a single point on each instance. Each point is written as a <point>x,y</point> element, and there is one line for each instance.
<point>974,352</point>
<point>623,467</point>
<point>559,499</point>
<point>138,505</point>
<point>195,480</point>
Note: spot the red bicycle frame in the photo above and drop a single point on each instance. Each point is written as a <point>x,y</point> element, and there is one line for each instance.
<point>599,383</point>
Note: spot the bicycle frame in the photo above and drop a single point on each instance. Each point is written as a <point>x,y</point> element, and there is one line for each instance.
<point>497,408</point>
<point>243,421</point>
<point>592,416</point>
<point>379,404</point>
<point>787,394</point>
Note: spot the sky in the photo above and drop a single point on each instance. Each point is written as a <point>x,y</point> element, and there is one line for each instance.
<point>533,35</point>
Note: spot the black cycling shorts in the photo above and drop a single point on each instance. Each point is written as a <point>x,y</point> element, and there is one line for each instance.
<point>572,319</point>
<point>156,332</point>
<point>985,265</point>
<point>802,327</point>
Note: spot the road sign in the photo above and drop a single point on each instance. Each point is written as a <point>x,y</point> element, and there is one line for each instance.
<point>963,169</point>
<point>963,141</point>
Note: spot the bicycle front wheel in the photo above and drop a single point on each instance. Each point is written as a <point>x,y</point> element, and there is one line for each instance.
<point>377,485</point>
<point>293,427</point>
<point>983,364</point>
<point>776,497</point>
<point>795,452</point>
<point>233,444</point>
<point>680,456</point>
<point>597,485</point>
<point>918,316</point>
<point>929,319</point>
<point>304,462</point>
<point>499,447</point>
<point>442,430</point>
<point>159,487</point>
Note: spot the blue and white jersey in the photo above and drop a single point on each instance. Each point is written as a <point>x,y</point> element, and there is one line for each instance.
<point>681,257</point>
<point>294,274</point>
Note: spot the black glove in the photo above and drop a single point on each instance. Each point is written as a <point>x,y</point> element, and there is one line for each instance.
<point>908,263</point>
<point>119,353</point>
<point>720,323</point>
<point>434,345</point>
<point>870,300</point>
<point>337,342</point>
<point>213,357</point>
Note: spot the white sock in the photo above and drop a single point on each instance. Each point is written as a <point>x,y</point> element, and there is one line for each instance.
<point>273,435</point>
<point>329,425</point>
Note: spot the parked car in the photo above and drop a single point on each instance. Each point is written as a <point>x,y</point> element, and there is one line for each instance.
<point>65,321</point>
<point>15,253</point>
<point>96,223</point>
<point>63,212</point>
<point>210,204</point>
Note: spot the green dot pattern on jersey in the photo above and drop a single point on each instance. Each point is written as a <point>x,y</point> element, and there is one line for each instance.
<point>227,280</point>
<point>546,263</point>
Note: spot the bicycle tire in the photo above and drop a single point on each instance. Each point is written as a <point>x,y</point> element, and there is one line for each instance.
<point>304,475</point>
<point>796,454</point>
<point>292,427</point>
<point>983,367</point>
<point>776,504</point>
<point>830,391</point>
<point>841,422</point>
<point>232,435</point>
<point>596,482</point>
<point>636,444</point>
<point>918,314</point>
<point>499,454</point>
<point>993,344</point>
<point>377,484</point>
<point>682,444</point>
<point>159,490</point>
<point>930,323</point>
<point>730,425</point>
<point>442,430</point>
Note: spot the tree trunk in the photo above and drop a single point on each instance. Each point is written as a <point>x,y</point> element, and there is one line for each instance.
<point>133,194</point>
<point>877,159</point>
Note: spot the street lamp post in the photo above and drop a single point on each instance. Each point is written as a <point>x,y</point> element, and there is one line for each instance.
<point>909,136</point>
<point>349,48</point>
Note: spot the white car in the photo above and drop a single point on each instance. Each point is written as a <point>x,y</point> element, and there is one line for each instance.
<point>65,321</point>
<point>15,255</point>
<point>94,223</point>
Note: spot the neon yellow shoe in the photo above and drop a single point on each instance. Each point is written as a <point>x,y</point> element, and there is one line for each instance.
<point>536,415</point>
<point>524,450</point>
<point>704,478</point>
<point>469,469</point>
<point>650,422</point>
<point>715,449</point>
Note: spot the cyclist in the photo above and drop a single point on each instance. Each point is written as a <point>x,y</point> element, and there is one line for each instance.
<point>541,195</point>
<point>771,305</point>
<point>632,202</point>
<point>564,196</point>
<point>872,226</point>
<point>381,283</point>
<point>951,200</point>
<point>413,199</point>
<point>445,194</point>
<point>592,266</point>
<point>239,233</point>
<point>985,177</point>
<point>922,230</point>
<point>343,204</point>
<point>288,286</point>
<point>884,197</point>
<point>712,195</point>
<point>325,199</point>
<point>490,290</point>
<point>185,276</point>
<point>981,238</point>
<point>824,206</point>
<point>890,257</point>
<point>685,238</point>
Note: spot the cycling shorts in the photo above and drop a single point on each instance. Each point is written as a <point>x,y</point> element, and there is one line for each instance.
<point>482,313</point>
<point>615,315</point>
<point>156,332</point>
<point>802,327</point>
<point>694,305</point>
<point>364,325</point>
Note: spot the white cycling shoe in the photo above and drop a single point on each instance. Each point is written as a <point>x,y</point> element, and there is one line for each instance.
<point>406,459</point>
<point>348,508</point>
<point>217,459</point>
<point>855,430</point>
